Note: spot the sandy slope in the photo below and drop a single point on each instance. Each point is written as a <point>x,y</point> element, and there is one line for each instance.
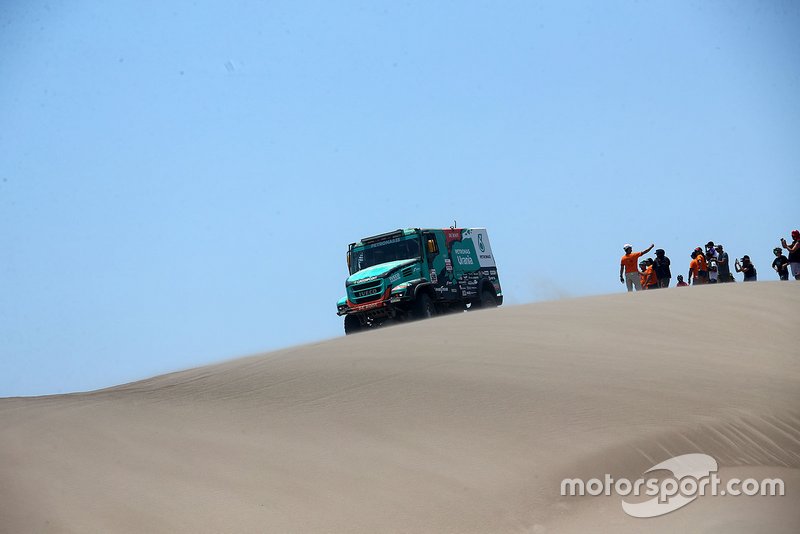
<point>465,423</point>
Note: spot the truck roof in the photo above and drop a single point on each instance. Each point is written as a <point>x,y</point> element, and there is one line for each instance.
<point>402,232</point>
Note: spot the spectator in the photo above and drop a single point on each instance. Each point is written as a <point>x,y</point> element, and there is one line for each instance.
<point>681,283</point>
<point>747,268</point>
<point>694,270</point>
<point>628,265</point>
<point>643,274</point>
<point>661,267</point>
<point>649,277</point>
<point>781,264</point>
<point>713,274</point>
<point>711,252</point>
<point>723,266</point>
<point>794,253</point>
<point>701,260</point>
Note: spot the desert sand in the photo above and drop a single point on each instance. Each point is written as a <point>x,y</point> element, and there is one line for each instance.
<point>464,423</point>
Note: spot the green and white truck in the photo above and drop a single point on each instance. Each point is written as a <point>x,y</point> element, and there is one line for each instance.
<point>416,273</point>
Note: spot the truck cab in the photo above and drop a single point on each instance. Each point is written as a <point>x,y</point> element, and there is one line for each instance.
<point>416,273</point>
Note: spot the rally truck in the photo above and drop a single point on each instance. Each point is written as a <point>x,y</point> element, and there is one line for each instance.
<point>416,273</point>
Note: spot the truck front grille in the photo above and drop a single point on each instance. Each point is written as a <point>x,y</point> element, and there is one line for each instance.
<point>367,291</point>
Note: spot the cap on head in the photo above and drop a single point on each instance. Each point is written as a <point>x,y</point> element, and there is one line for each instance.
<point>659,252</point>
<point>746,257</point>
<point>718,247</point>
<point>627,246</point>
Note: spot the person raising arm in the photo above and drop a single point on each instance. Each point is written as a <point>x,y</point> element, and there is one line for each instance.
<point>794,253</point>
<point>747,268</point>
<point>628,273</point>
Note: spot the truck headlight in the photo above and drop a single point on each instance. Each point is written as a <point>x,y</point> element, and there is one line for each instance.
<point>400,290</point>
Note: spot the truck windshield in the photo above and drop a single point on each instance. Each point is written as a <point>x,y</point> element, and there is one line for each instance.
<point>384,251</point>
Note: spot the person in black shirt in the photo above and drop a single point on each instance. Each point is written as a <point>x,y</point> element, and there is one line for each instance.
<point>723,267</point>
<point>781,264</point>
<point>661,267</point>
<point>794,253</point>
<point>747,268</point>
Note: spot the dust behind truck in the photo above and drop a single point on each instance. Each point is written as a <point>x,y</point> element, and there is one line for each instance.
<point>417,273</point>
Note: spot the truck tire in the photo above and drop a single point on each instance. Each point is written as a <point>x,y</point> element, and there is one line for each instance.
<point>352,325</point>
<point>423,307</point>
<point>488,298</point>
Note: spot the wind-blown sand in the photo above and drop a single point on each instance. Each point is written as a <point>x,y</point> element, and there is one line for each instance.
<point>465,423</point>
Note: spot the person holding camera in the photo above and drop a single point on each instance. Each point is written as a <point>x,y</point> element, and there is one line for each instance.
<point>794,253</point>
<point>712,269</point>
<point>747,268</point>
<point>711,251</point>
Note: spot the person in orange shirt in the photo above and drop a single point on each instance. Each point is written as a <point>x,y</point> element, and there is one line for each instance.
<point>694,270</point>
<point>643,274</point>
<point>627,266</point>
<point>703,263</point>
<point>649,278</point>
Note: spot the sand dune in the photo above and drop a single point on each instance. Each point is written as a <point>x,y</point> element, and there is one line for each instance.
<point>464,423</point>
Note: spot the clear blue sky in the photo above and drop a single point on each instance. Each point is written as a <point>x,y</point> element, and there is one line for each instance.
<point>179,180</point>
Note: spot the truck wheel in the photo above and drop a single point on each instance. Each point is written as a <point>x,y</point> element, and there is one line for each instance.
<point>488,299</point>
<point>423,307</point>
<point>352,325</point>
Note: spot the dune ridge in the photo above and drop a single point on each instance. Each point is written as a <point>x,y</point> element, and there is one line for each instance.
<point>464,423</point>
